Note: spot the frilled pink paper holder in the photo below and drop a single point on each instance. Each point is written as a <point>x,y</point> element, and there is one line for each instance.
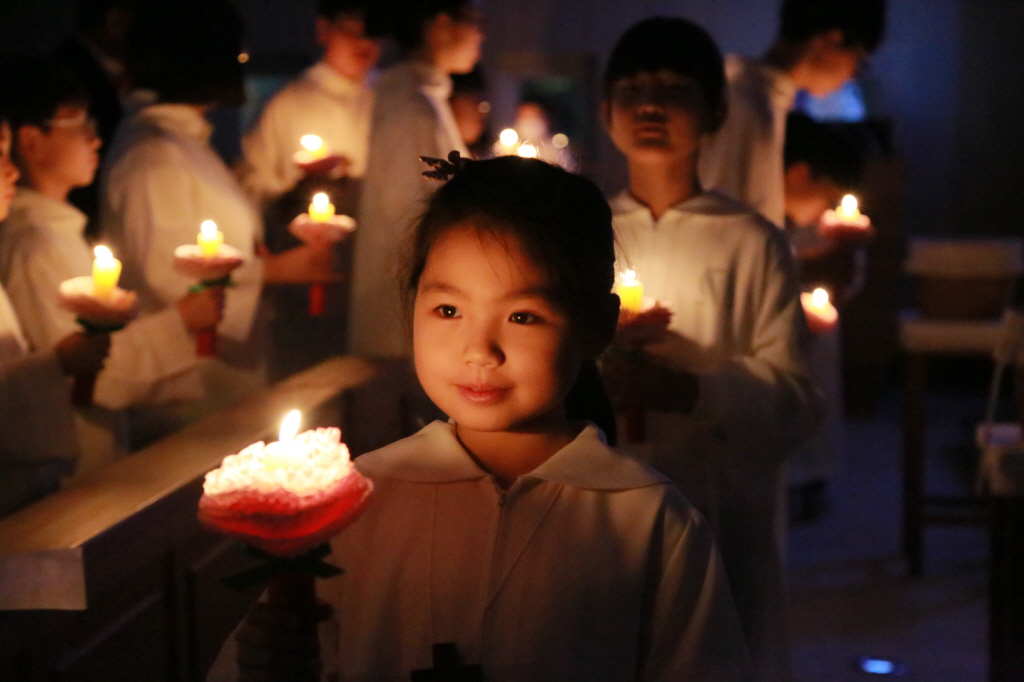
<point>211,271</point>
<point>852,231</point>
<point>97,316</point>
<point>320,233</point>
<point>286,516</point>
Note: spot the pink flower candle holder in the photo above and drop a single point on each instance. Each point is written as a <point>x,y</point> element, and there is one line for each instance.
<point>211,271</point>
<point>320,234</point>
<point>97,315</point>
<point>286,500</point>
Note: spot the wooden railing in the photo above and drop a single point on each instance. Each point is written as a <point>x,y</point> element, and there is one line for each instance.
<point>113,579</point>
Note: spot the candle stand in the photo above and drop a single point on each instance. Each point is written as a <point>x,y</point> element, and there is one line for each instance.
<point>211,271</point>
<point>320,233</point>
<point>96,315</point>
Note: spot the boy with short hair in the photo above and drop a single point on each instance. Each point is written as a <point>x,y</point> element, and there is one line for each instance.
<point>821,44</point>
<point>330,100</point>
<point>724,389</point>
<point>38,446</point>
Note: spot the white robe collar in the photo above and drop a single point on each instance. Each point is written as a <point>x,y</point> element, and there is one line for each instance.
<point>434,455</point>
<point>705,203</point>
<point>330,81</point>
<point>178,119</point>
<point>59,217</point>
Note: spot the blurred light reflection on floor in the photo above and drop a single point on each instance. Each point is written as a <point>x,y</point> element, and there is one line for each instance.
<point>850,596</point>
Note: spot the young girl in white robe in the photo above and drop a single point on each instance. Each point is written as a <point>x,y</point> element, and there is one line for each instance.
<point>512,531</point>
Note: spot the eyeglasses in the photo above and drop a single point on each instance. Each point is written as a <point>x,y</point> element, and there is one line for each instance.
<point>84,125</point>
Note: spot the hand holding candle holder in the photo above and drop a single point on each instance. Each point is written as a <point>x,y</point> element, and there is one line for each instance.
<point>821,315</point>
<point>210,261</point>
<point>286,500</point>
<point>640,322</point>
<point>320,227</point>
<point>100,307</point>
<point>846,225</point>
<point>315,158</point>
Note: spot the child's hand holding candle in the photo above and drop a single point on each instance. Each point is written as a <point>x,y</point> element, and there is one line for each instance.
<point>100,307</point>
<point>316,158</point>
<point>846,223</point>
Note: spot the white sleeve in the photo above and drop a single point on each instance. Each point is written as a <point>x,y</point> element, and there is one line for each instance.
<point>691,631</point>
<point>33,279</point>
<point>144,358</point>
<point>267,168</point>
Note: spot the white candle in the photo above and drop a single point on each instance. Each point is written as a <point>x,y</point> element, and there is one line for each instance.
<point>106,270</point>
<point>321,209</point>
<point>209,238</point>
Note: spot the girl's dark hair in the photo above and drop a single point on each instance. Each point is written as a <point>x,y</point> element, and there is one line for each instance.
<point>33,89</point>
<point>187,51</point>
<point>562,222</point>
<point>673,44</point>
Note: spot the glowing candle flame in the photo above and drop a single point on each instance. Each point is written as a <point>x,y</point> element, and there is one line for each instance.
<point>849,203</point>
<point>209,229</point>
<point>289,427</point>
<point>103,255</point>
<point>321,210</point>
<point>631,292</point>
<point>311,142</point>
<point>527,151</point>
<point>209,238</point>
<point>629,276</point>
<point>508,137</point>
<point>819,298</point>
<point>320,200</point>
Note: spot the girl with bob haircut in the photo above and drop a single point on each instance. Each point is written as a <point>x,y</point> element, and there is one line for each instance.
<point>512,531</point>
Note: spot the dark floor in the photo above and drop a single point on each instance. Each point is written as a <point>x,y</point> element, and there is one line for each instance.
<point>849,591</point>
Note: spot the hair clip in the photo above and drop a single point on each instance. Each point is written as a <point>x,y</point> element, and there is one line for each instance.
<point>445,169</point>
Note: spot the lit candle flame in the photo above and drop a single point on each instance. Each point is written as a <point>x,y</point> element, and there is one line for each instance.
<point>209,229</point>
<point>321,200</point>
<point>819,297</point>
<point>311,142</point>
<point>527,151</point>
<point>103,254</point>
<point>629,276</point>
<point>849,204</point>
<point>289,427</point>
<point>508,137</point>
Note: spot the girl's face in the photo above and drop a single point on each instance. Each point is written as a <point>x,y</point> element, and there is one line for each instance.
<point>656,116</point>
<point>491,350</point>
<point>8,171</point>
